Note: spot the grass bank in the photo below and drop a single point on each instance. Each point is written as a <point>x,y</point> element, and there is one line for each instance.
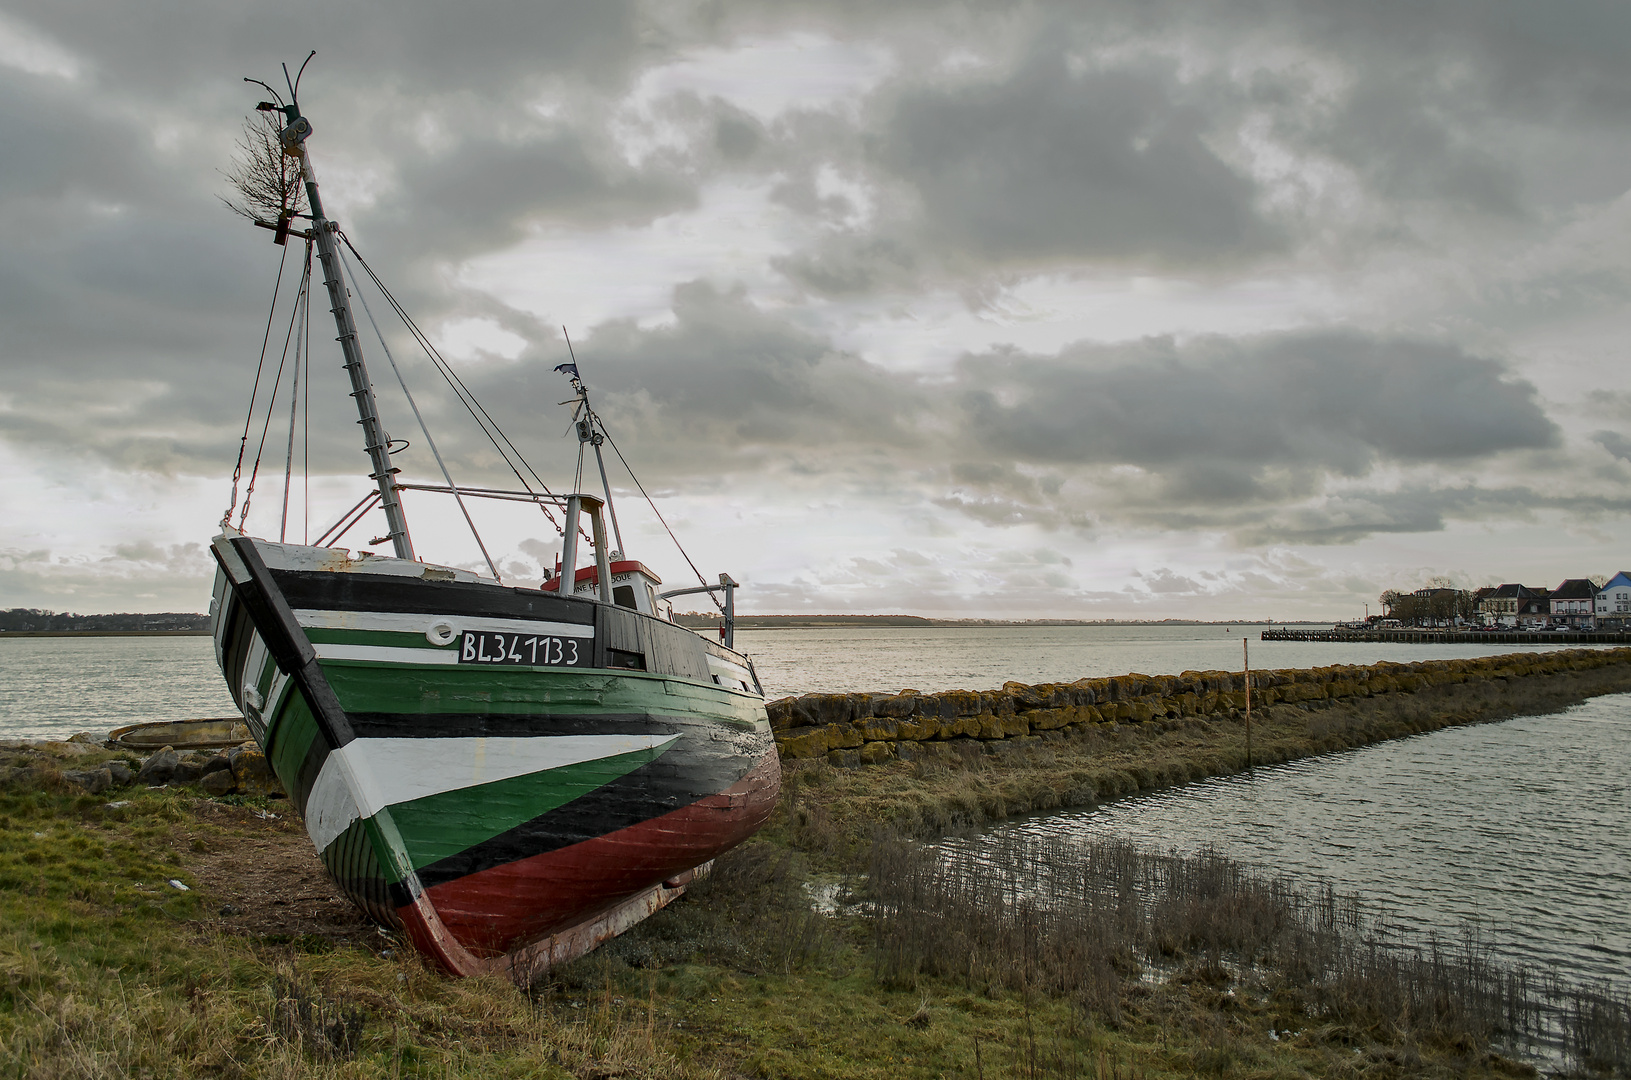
<point>832,807</point>
<point>108,969</point>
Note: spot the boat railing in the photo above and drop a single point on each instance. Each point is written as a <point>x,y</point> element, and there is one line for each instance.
<point>728,587</point>
<point>489,493</point>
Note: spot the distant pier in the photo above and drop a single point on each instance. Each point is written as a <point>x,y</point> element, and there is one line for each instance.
<point>1416,636</point>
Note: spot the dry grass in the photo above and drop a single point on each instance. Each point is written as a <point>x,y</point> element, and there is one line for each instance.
<point>1093,922</point>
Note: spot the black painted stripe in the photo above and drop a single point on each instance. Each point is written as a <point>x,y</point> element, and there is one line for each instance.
<point>374,725</point>
<point>694,769</point>
<point>275,622</point>
<point>415,596</point>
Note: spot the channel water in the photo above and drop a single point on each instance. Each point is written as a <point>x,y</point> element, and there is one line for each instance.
<point>1518,831</point>
<point>1521,828</point>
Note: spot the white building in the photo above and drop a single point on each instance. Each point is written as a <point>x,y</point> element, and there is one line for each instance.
<point>1614,602</point>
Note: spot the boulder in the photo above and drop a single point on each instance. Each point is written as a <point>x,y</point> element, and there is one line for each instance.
<point>252,774</point>
<point>217,782</point>
<point>874,753</point>
<point>94,781</point>
<point>121,773</point>
<point>159,769</point>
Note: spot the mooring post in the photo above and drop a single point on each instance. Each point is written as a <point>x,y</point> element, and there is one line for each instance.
<point>1246,657</point>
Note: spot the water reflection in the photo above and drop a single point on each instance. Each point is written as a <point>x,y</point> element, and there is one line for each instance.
<point>1521,828</point>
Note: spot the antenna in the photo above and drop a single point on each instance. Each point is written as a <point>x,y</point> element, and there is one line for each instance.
<point>294,91</point>
<point>269,90</point>
<point>569,350</point>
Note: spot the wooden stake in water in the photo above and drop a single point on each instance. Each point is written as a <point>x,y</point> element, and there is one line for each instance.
<point>1246,656</point>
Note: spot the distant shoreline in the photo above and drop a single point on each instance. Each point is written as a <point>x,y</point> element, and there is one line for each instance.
<point>812,622</point>
<point>781,622</point>
<point>103,633</point>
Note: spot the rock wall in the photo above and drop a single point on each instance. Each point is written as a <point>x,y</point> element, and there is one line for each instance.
<point>859,729</point>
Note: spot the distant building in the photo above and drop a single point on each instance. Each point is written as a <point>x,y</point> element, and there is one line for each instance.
<point>1614,602</point>
<point>1535,610</point>
<point>1574,604</point>
<point>1501,606</point>
<point>1437,606</point>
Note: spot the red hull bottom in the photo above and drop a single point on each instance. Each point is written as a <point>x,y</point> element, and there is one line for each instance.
<point>526,915</point>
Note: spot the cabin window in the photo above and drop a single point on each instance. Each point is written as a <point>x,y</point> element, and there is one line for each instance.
<point>623,595</point>
<point>630,661</point>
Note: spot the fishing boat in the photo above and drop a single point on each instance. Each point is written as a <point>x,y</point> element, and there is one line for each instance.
<point>507,775</point>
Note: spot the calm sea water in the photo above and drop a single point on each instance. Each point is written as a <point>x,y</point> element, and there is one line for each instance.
<point>1521,829</point>
<point>983,658</point>
<point>57,686</point>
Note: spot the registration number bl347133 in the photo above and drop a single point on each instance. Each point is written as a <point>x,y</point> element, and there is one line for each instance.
<point>528,650</point>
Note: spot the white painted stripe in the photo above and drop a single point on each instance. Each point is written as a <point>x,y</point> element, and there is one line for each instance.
<point>418,624</point>
<point>385,654</point>
<point>402,770</point>
<point>329,809</point>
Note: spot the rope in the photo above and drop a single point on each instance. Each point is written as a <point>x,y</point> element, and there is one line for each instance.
<point>386,349</point>
<point>613,444</point>
<point>249,491</point>
<point>243,443</point>
<point>294,411</point>
<point>484,420</point>
<point>305,440</point>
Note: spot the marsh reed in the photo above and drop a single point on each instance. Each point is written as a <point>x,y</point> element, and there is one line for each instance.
<point>1090,919</point>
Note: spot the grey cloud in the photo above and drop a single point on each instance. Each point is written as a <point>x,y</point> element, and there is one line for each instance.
<point>481,192</point>
<point>1089,142</point>
<point>180,49</point>
<point>1049,163</point>
<point>1407,152</point>
<point>1614,443</point>
<point>1352,516</point>
<point>1336,401</point>
<point>1165,581</point>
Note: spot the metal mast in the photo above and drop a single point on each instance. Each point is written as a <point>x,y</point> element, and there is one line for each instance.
<point>589,434</point>
<point>375,440</point>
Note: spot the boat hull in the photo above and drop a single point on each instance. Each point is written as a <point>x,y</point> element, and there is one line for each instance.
<point>501,809</point>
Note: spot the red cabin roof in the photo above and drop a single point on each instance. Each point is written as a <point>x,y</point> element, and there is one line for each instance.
<point>591,574</point>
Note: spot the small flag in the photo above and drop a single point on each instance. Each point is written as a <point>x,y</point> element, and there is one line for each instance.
<point>570,369</point>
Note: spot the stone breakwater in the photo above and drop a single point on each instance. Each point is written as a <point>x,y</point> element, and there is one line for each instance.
<point>862,729</point>
<point>84,762</point>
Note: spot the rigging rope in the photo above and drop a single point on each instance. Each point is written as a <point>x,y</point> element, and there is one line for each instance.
<point>243,443</point>
<point>488,425</point>
<point>305,441</point>
<point>386,349</point>
<point>304,309</point>
<point>613,444</point>
<point>271,401</point>
<point>301,315</point>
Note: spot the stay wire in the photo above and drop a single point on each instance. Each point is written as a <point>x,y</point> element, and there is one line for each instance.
<point>271,401</point>
<point>484,420</point>
<point>305,437</point>
<point>472,405</point>
<point>249,417</point>
<point>303,307</point>
<point>685,554</point>
<point>458,496</point>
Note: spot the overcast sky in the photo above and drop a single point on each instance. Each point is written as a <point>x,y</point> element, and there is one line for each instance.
<point>1091,309</point>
